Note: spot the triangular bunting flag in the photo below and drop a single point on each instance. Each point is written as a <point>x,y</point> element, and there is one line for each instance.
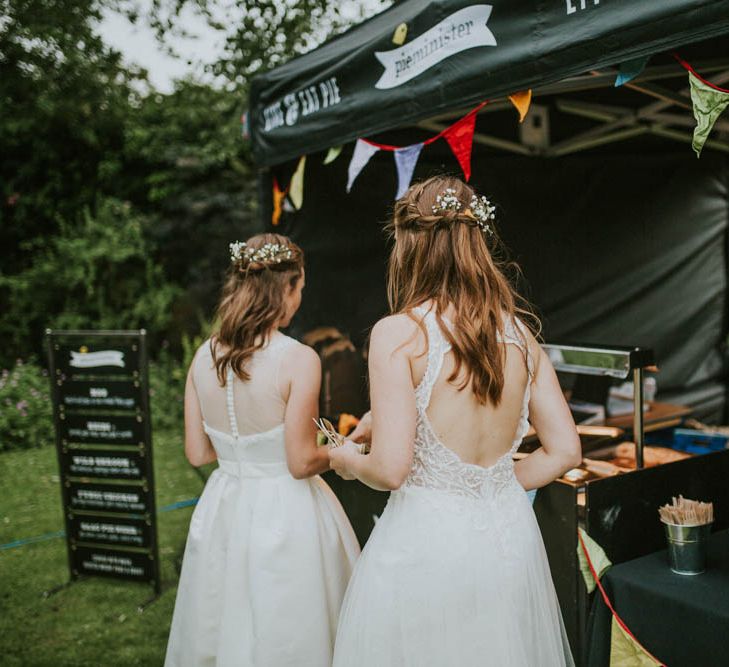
<point>405,161</point>
<point>460,138</point>
<point>708,105</point>
<point>361,156</point>
<point>599,559</point>
<point>296,187</point>
<point>626,652</point>
<point>278,197</point>
<point>630,69</point>
<point>332,154</point>
<point>522,101</point>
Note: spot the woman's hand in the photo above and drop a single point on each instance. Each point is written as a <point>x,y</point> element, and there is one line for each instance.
<point>341,459</point>
<point>363,431</point>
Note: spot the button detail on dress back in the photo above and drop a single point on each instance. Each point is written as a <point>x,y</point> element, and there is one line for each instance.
<point>230,377</point>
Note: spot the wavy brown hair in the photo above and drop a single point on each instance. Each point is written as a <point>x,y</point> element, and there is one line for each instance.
<point>446,258</point>
<point>252,301</point>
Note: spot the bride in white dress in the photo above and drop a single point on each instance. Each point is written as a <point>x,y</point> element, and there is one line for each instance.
<point>270,550</point>
<point>455,572</point>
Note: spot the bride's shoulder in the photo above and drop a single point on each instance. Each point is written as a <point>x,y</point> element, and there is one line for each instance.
<point>399,332</point>
<point>296,353</point>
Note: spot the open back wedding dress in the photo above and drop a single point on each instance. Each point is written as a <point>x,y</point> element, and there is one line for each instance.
<point>455,572</point>
<point>268,557</point>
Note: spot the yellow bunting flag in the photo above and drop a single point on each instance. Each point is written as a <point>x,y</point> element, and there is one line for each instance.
<point>332,154</point>
<point>296,189</point>
<point>522,100</point>
<point>278,197</point>
<point>599,559</point>
<point>626,652</point>
<point>401,33</point>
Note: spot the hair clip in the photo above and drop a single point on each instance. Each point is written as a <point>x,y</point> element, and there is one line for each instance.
<point>447,201</point>
<point>483,212</point>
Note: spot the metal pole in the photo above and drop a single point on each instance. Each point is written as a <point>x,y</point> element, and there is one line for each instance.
<point>638,415</point>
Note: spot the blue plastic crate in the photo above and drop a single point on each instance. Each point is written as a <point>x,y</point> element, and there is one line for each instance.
<point>698,442</point>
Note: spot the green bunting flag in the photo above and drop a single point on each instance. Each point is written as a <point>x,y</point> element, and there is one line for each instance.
<point>709,103</point>
<point>599,559</point>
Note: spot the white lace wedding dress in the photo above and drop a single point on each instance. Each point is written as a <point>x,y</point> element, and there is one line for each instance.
<point>268,557</point>
<point>455,572</point>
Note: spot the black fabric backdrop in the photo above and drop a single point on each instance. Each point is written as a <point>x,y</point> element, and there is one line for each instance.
<point>616,249</point>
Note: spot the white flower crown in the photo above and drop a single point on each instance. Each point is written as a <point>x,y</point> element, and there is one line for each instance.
<point>272,253</point>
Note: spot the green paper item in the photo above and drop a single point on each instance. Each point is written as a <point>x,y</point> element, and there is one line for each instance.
<point>600,561</point>
<point>332,154</point>
<point>708,105</point>
<point>625,651</point>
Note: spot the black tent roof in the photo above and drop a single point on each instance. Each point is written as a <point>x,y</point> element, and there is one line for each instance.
<point>455,54</point>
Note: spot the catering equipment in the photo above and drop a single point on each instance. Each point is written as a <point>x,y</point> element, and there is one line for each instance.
<point>614,494</point>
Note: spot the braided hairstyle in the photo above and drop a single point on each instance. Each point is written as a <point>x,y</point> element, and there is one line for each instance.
<point>262,271</point>
<point>446,254</point>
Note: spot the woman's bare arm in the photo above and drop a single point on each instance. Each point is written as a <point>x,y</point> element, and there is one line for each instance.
<point>198,448</point>
<point>552,420</point>
<point>393,410</point>
<point>303,456</point>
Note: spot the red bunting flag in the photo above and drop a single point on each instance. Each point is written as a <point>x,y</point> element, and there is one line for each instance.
<point>460,138</point>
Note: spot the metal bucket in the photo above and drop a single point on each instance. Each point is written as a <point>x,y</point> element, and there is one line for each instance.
<point>687,547</point>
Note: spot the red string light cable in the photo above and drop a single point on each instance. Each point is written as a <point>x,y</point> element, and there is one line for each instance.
<point>609,605</point>
<point>690,69</point>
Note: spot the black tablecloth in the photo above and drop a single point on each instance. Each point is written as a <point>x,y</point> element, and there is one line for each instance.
<point>682,620</point>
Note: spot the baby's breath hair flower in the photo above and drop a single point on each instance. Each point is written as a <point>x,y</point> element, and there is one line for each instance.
<point>447,201</point>
<point>236,250</point>
<point>483,211</point>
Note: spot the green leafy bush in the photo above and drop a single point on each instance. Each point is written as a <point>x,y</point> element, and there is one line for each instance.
<point>26,418</point>
<point>167,391</point>
<point>96,273</point>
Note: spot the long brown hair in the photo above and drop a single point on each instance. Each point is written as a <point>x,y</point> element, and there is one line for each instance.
<point>443,255</point>
<point>252,301</point>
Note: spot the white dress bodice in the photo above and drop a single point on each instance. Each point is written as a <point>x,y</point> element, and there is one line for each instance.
<point>436,466</point>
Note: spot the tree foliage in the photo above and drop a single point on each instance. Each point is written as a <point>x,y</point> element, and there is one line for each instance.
<point>117,203</point>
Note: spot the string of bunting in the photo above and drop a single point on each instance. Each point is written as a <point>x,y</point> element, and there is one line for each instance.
<point>708,100</point>
<point>459,136</point>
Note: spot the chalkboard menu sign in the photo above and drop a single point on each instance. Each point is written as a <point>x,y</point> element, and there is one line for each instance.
<point>100,389</point>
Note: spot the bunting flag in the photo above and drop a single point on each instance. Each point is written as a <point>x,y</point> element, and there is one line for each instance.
<point>405,161</point>
<point>630,69</point>
<point>522,101</point>
<point>296,187</point>
<point>278,197</point>
<point>597,556</point>
<point>625,652</point>
<point>332,154</point>
<point>460,138</point>
<point>625,649</point>
<point>363,151</point>
<point>709,101</point>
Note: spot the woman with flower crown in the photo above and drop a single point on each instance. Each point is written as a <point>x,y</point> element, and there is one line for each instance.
<point>270,550</point>
<point>455,571</point>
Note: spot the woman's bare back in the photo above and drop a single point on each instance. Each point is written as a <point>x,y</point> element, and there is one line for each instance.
<point>478,434</point>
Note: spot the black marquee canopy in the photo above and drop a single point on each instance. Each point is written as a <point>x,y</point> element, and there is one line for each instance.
<point>419,60</point>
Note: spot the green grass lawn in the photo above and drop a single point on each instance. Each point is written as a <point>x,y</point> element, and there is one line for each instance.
<point>93,621</point>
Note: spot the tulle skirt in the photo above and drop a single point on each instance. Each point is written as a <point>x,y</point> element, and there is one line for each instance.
<point>266,566</point>
<point>447,580</point>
